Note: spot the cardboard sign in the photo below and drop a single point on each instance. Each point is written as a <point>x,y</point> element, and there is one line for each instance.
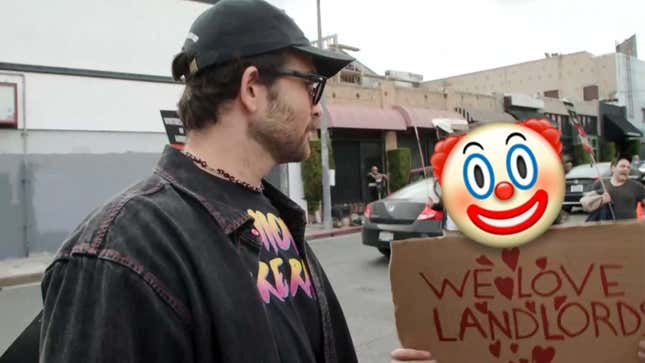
<point>576,294</point>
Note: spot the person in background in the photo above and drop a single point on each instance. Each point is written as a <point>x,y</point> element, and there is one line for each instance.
<point>376,183</point>
<point>567,166</point>
<point>622,192</point>
<point>636,162</point>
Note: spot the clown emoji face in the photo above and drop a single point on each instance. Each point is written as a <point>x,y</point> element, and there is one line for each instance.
<point>503,184</point>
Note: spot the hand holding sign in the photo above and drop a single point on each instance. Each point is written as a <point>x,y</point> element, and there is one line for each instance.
<point>411,355</point>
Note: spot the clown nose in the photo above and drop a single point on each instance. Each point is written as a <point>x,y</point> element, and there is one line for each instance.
<point>504,190</point>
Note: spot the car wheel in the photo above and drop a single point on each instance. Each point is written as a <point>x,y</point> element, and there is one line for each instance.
<point>384,251</point>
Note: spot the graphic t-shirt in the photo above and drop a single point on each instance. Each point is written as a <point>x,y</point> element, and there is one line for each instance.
<point>282,278</point>
<point>624,198</point>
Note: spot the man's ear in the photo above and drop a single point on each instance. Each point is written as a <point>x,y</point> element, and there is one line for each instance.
<point>251,89</point>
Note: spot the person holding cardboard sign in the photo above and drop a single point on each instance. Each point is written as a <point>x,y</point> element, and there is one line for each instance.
<point>623,193</point>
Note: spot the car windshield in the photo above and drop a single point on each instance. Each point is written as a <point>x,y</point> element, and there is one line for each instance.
<point>589,171</point>
<point>418,190</point>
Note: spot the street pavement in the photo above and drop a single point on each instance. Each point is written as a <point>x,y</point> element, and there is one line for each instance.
<point>360,278</point>
<point>18,307</point>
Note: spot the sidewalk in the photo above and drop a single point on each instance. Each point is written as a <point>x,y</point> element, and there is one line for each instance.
<point>20,271</point>
<point>317,231</point>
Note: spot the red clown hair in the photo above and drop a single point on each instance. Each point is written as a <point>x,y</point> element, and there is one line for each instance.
<point>444,147</point>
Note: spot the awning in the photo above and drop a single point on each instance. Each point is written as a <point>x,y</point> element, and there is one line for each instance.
<point>429,118</point>
<point>360,117</point>
<point>522,115</point>
<point>487,116</point>
<point>621,123</point>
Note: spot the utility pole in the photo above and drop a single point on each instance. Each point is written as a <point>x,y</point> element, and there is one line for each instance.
<point>324,136</point>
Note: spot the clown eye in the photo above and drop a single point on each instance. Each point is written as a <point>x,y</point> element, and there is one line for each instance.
<point>521,166</point>
<point>478,176</point>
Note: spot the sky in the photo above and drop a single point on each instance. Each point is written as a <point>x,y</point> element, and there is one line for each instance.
<point>445,38</point>
<point>436,39</point>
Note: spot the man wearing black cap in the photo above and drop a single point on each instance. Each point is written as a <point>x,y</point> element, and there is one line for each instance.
<point>204,261</point>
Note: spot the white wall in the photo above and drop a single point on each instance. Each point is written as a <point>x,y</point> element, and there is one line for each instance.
<point>296,187</point>
<point>135,36</point>
<point>638,89</point>
<point>131,36</point>
<point>58,102</point>
<point>638,77</point>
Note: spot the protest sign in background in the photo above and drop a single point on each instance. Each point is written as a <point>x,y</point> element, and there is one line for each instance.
<point>575,294</point>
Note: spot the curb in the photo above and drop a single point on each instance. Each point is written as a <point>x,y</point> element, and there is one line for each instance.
<point>24,279</point>
<point>333,232</point>
<point>22,271</point>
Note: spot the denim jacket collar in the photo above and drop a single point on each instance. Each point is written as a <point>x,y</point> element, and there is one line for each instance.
<point>183,174</point>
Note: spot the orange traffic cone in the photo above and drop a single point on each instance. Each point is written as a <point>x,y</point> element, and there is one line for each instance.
<point>639,210</point>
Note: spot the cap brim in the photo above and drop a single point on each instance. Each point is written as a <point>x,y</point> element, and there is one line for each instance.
<point>327,62</point>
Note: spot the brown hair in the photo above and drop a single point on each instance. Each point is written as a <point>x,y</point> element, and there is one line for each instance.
<point>615,161</point>
<point>208,89</point>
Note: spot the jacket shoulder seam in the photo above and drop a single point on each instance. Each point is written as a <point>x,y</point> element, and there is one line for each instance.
<point>116,208</point>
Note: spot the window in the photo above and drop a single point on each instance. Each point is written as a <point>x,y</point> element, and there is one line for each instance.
<point>552,93</point>
<point>350,77</point>
<point>590,93</point>
<point>8,104</point>
<point>592,126</point>
<point>351,74</point>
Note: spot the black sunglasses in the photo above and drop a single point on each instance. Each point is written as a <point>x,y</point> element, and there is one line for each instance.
<point>316,81</point>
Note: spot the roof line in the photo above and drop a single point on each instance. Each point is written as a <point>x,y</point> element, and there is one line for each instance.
<point>502,67</point>
<point>79,72</point>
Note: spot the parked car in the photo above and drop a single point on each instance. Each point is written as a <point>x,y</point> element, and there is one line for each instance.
<point>401,215</point>
<point>581,178</point>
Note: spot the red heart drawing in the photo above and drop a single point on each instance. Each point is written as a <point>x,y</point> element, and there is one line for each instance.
<point>505,286</point>
<point>494,348</point>
<point>541,263</point>
<point>482,307</point>
<point>514,347</point>
<point>558,301</point>
<point>543,355</point>
<point>483,260</point>
<point>530,305</point>
<point>510,257</point>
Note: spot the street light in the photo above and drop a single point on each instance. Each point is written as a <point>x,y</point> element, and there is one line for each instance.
<point>324,136</point>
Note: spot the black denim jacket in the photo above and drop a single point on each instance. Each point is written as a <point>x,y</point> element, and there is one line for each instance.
<point>155,275</point>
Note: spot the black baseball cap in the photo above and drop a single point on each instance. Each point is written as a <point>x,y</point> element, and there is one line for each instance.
<point>233,29</point>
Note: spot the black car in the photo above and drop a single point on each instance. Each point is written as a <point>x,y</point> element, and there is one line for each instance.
<point>403,214</point>
<point>579,181</point>
<point>581,178</point>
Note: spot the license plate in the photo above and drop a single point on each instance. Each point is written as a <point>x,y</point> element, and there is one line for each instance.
<point>386,236</point>
<point>576,188</point>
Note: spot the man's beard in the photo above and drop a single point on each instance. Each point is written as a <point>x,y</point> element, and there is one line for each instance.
<point>621,177</point>
<point>277,133</point>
